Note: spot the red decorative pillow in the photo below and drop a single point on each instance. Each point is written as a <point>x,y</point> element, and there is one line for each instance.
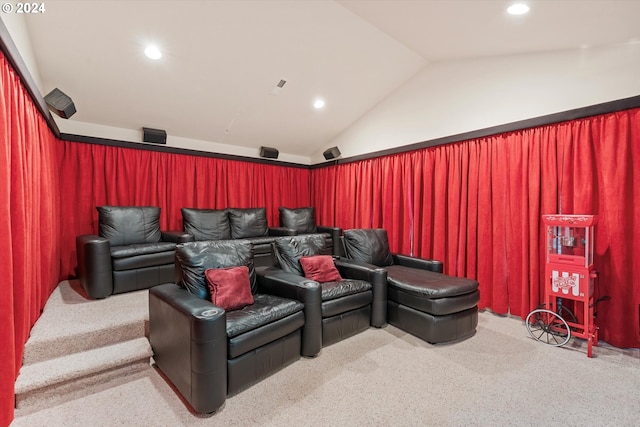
<point>320,268</point>
<point>229,287</point>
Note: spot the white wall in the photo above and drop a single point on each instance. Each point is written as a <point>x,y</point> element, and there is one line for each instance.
<point>120,134</point>
<point>449,98</point>
<point>16,25</point>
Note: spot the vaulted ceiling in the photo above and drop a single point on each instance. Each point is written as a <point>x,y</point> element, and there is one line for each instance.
<point>216,82</point>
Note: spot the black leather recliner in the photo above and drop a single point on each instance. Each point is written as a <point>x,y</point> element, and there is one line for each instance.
<point>303,221</point>
<point>421,300</point>
<point>335,310</point>
<point>129,252</point>
<point>207,352</point>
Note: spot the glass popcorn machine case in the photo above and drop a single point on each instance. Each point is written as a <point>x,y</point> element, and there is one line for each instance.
<point>569,276</point>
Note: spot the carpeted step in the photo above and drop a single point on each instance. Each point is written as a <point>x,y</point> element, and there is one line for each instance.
<point>60,377</point>
<point>41,349</point>
<point>71,323</point>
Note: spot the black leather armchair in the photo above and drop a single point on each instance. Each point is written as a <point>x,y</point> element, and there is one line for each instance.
<point>421,300</point>
<point>303,221</point>
<point>209,353</point>
<point>129,252</point>
<point>334,310</point>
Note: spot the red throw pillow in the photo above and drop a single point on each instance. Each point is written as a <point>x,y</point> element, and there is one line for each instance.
<point>320,268</point>
<point>229,287</point>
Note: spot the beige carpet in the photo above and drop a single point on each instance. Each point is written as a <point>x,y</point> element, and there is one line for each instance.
<point>385,377</point>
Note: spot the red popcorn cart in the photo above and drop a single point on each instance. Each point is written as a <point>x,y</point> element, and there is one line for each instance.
<point>570,276</point>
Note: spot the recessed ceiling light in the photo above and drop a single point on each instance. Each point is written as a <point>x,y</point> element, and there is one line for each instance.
<point>518,9</point>
<point>318,104</point>
<point>153,52</point>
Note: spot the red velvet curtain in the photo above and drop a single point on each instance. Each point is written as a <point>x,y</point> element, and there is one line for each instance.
<point>477,205</point>
<point>373,193</point>
<point>95,175</point>
<point>29,229</point>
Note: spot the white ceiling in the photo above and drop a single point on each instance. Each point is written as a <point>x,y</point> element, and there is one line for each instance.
<point>222,59</point>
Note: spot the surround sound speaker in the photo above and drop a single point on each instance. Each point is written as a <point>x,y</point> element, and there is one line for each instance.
<point>331,153</point>
<point>157,136</point>
<point>269,153</point>
<point>59,103</point>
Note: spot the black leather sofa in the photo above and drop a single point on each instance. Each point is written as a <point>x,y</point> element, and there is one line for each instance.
<point>235,223</point>
<point>208,352</point>
<point>420,299</point>
<point>129,252</point>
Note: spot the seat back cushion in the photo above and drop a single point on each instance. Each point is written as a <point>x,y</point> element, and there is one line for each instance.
<point>206,224</point>
<point>303,220</point>
<point>290,249</point>
<point>194,258</point>
<point>320,268</point>
<point>127,225</point>
<point>251,222</point>
<point>368,245</point>
<point>229,287</point>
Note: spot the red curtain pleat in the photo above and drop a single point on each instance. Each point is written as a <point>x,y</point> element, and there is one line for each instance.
<point>477,206</point>
<point>615,159</point>
<point>323,201</point>
<point>29,230</point>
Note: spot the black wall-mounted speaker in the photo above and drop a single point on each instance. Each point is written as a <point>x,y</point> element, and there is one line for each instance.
<point>269,153</point>
<point>60,103</point>
<point>331,153</point>
<point>157,136</point>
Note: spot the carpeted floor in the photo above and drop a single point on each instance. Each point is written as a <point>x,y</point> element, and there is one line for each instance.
<point>385,377</point>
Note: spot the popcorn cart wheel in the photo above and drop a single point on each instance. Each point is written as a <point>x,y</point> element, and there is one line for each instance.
<point>548,327</point>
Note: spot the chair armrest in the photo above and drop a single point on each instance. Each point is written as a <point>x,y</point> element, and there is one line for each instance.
<point>177,236</point>
<point>282,231</point>
<point>414,262</point>
<point>189,340</point>
<point>94,265</point>
<point>335,233</point>
<point>377,277</point>
<point>288,285</point>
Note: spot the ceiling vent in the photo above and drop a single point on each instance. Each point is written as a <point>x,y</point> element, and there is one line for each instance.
<point>278,87</point>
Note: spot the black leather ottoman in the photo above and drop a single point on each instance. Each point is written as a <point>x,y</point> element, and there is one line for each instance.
<point>432,306</point>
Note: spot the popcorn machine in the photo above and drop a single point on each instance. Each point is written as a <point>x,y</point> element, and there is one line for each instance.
<point>570,275</point>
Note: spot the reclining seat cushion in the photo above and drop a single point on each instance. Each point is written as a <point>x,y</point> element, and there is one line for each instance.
<point>428,284</point>
<point>142,249</point>
<point>303,220</point>
<point>290,249</point>
<point>368,245</point>
<point>192,259</point>
<point>250,222</point>
<point>333,290</point>
<point>264,310</point>
<point>127,225</point>
<point>268,319</point>
<point>142,255</point>
<point>346,295</point>
<point>430,292</point>
<point>206,224</point>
